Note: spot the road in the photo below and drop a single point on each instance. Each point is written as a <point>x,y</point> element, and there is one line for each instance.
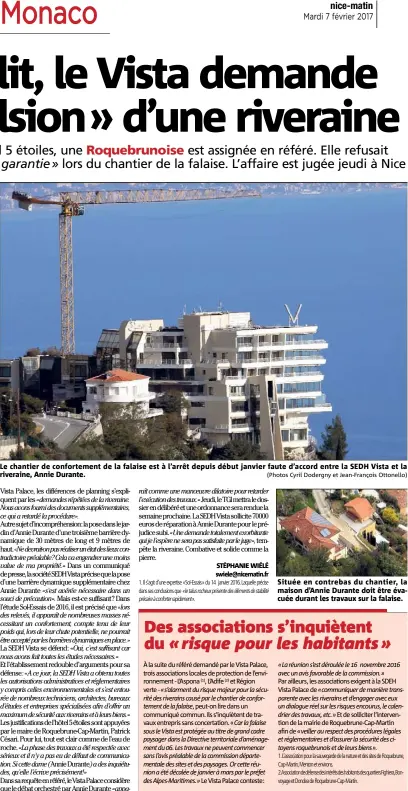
<point>350,538</point>
<point>61,430</point>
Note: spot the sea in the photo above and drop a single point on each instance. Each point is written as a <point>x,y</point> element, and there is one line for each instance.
<point>342,256</point>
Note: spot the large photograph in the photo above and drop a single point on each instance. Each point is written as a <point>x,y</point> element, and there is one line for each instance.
<point>203,321</point>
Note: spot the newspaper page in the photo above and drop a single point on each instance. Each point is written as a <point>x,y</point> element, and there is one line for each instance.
<point>203,395</point>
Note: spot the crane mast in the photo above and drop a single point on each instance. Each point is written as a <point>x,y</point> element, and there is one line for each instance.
<point>66,283</point>
<point>72,205</point>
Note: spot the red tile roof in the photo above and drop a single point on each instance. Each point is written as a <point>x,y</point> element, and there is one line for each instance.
<point>360,508</point>
<point>400,496</point>
<point>117,375</point>
<point>308,532</point>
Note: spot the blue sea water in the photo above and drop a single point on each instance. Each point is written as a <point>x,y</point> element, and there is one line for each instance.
<point>343,256</point>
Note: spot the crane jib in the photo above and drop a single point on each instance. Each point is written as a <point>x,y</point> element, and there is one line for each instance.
<point>72,205</point>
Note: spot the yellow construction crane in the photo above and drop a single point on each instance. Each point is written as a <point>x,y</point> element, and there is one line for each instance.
<point>72,205</point>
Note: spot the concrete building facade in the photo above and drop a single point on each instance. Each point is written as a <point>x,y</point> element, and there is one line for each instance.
<point>240,379</point>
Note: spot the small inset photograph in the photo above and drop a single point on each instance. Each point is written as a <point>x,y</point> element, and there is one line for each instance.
<point>341,532</point>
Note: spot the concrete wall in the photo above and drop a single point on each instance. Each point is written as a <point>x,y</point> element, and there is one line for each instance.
<point>7,445</point>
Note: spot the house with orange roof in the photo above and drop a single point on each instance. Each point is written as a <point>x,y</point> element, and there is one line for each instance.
<point>359,515</point>
<point>118,386</point>
<point>312,531</point>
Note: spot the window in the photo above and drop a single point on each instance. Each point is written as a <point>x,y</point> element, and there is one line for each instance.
<point>215,355</point>
<point>301,353</point>
<point>245,341</point>
<point>237,390</point>
<point>224,355</point>
<point>197,421</point>
<point>235,422</point>
<point>108,339</point>
<point>92,390</point>
<point>239,406</point>
<point>301,387</point>
<point>5,370</point>
<point>210,391</point>
<point>197,403</point>
<point>298,403</point>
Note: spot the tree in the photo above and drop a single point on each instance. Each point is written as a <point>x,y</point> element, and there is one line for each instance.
<point>297,565</point>
<point>390,516</point>
<point>319,562</point>
<point>293,501</point>
<point>173,401</point>
<point>33,352</point>
<point>124,431</point>
<point>237,449</point>
<point>334,441</point>
<point>346,567</point>
<point>282,551</point>
<point>52,351</point>
<point>32,405</point>
<point>391,565</point>
<point>389,498</point>
<point>88,449</point>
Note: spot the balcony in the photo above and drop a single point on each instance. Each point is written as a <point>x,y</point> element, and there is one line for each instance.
<point>157,346</point>
<point>240,429</point>
<point>313,373</point>
<point>306,360</point>
<point>222,428</point>
<point>165,364</point>
<point>306,409</point>
<point>298,342</point>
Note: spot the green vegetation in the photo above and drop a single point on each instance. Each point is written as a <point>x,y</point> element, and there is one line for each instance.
<point>389,498</point>
<point>334,441</point>
<point>128,435</point>
<point>27,405</point>
<point>390,516</point>
<point>385,560</point>
<point>291,561</point>
<point>173,401</point>
<point>289,501</point>
<point>237,449</point>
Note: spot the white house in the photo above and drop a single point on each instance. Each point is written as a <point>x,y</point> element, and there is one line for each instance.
<point>119,387</point>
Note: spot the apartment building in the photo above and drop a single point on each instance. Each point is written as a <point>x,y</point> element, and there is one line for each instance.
<point>240,379</point>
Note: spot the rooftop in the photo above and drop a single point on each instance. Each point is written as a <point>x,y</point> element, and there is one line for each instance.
<point>359,508</point>
<point>311,529</point>
<point>400,496</point>
<point>117,375</point>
